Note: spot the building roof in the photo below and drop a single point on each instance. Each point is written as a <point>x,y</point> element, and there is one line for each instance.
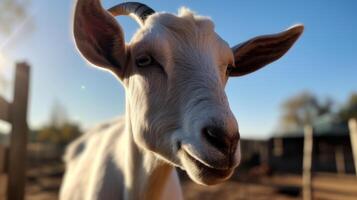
<point>326,125</point>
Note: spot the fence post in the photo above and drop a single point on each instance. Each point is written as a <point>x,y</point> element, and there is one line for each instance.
<point>340,160</point>
<point>5,107</point>
<point>307,161</point>
<point>18,138</point>
<point>352,124</point>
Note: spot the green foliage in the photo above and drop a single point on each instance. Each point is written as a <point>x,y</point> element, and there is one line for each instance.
<point>58,135</point>
<point>59,130</point>
<point>349,110</point>
<point>304,108</point>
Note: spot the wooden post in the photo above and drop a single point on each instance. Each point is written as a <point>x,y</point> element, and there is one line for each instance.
<point>5,116</point>
<point>278,149</point>
<point>3,159</point>
<point>340,160</point>
<point>4,110</point>
<point>18,139</point>
<point>307,161</point>
<point>352,124</point>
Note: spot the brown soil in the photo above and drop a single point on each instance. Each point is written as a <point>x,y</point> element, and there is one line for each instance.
<point>43,183</point>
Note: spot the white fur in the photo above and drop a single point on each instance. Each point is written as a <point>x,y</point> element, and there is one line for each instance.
<point>167,106</point>
<point>134,157</point>
<point>96,162</point>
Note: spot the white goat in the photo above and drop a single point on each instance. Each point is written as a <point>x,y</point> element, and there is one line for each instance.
<point>174,72</point>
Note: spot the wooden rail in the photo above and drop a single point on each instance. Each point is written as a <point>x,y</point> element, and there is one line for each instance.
<point>317,185</point>
<point>334,186</point>
<point>325,186</point>
<point>13,158</point>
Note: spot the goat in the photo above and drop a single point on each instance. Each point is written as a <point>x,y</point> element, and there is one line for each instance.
<point>174,71</point>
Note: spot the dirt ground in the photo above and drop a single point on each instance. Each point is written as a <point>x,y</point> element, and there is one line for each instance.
<point>44,176</point>
<point>230,190</point>
<point>233,190</point>
<point>44,181</point>
<point>43,184</point>
<point>226,191</point>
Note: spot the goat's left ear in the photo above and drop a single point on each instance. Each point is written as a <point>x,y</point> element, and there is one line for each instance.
<point>260,51</point>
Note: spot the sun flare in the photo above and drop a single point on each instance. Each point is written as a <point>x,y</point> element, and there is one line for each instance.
<point>3,62</point>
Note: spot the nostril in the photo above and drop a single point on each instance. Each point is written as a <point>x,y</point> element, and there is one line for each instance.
<point>178,145</point>
<point>216,137</point>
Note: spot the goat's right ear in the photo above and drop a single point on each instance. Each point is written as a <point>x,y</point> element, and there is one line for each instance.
<point>98,36</point>
<point>260,51</point>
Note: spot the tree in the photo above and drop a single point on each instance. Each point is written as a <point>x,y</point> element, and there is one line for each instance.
<point>349,110</point>
<point>59,130</point>
<point>58,115</point>
<point>304,108</point>
<point>60,136</point>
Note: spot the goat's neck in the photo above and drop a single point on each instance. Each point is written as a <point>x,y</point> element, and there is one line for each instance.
<point>145,174</point>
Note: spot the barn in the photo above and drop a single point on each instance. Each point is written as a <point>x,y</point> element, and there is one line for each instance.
<point>332,150</point>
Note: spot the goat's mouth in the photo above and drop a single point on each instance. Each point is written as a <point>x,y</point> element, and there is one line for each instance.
<point>207,174</point>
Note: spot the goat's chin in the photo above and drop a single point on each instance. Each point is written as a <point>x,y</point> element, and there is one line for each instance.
<point>203,174</point>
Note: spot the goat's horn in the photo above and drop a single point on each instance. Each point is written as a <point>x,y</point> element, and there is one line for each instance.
<point>140,10</point>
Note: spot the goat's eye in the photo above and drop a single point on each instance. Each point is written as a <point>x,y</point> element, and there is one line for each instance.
<point>143,60</point>
<point>229,69</point>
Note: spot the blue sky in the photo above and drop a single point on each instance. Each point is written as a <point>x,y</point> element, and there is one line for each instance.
<point>324,60</point>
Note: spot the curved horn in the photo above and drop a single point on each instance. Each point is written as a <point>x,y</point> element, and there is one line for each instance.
<point>140,10</point>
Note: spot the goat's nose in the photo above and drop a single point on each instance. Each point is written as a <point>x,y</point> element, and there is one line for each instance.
<point>221,139</point>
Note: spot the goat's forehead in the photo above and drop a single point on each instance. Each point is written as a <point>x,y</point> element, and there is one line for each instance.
<point>168,32</point>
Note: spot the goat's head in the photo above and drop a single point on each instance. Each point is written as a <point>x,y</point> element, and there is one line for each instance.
<point>174,72</point>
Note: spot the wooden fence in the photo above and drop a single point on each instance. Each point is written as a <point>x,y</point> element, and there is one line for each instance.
<point>13,157</point>
<point>319,185</point>
<point>326,185</point>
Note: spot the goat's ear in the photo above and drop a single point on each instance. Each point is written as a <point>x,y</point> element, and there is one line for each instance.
<point>98,36</point>
<point>260,51</point>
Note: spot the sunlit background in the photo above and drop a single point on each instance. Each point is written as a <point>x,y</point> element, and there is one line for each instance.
<point>317,78</point>
<point>323,61</point>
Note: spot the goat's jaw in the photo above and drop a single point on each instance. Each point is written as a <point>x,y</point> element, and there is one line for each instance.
<point>204,173</point>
